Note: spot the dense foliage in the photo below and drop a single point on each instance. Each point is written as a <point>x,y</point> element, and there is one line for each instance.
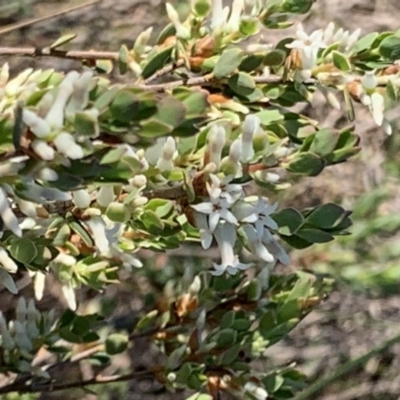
<point>93,171</point>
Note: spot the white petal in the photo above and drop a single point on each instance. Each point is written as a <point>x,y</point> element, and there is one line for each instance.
<point>205,208</point>
<point>213,220</point>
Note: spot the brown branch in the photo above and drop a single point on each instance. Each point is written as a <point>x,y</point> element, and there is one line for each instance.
<point>23,24</point>
<point>164,71</point>
<point>48,52</point>
<point>54,386</point>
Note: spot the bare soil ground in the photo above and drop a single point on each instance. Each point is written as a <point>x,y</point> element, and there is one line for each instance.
<point>348,324</point>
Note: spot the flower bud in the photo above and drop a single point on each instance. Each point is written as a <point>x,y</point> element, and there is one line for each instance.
<point>81,198</point>
<point>216,143</point>
<point>7,262</point>
<point>377,107</point>
<point>250,127</point>
<point>38,126</point>
<point>105,196</point>
<point>66,145</point>
<point>8,216</point>
<point>369,80</point>
<point>173,16</point>
<point>165,163</point>
<point>47,174</point>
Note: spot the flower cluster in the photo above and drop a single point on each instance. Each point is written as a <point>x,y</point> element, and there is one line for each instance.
<point>228,211</point>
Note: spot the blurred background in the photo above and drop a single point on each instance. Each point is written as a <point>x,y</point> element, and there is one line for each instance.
<point>364,309</point>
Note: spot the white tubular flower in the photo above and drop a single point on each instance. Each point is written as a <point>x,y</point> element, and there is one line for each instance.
<point>26,207</point>
<point>328,33</point>
<point>173,16</point>
<point>165,163</point>
<point>275,248</point>
<point>105,196</point>
<point>80,96</point>
<point>141,41</point>
<point>225,235</point>
<point>69,295</point>
<point>249,129</point>
<point>369,81</point>
<point>81,198</point>
<point>257,214</point>
<point>387,127</point>
<point>153,153</point>
<point>201,222</point>
<point>256,392</point>
<point>217,14</point>
<point>65,144</point>
<point>351,41</point>
<point>55,116</point>
<point>7,262</point>
<point>308,46</point>
<point>256,245</point>
<point>38,126</point>
<point>218,206</point>
<point>43,150</point>
<point>8,216</point>
<point>98,228</point>
<point>39,285</point>
<point>377,108</point>
<point>234,19</point>
<point>47,174</point>
<point>231,165</point>
<point>216,142</point>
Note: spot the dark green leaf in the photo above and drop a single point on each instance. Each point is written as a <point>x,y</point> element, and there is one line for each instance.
<point>157,62</point>
<point>306,164</point>
<point>116,343</point>
<point>390,48</point>
<point>23,250</point>
<point>289,221</point>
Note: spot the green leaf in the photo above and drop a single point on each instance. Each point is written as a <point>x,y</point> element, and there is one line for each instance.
<point>23,250</point>
<point>275,58</point>
<point>324,142</point>
<point>242,83</point>
<point>85,125</point>
<point>231,355</point>
<point>124,106</point>
<point>116,343</point>
<point>390,48</point>
<point>228,62</point>
<point>63,40</point>
<point>297,6</point>
<point>157,62</point>
<point>226,338</point>
<point>314,235</point>
<point>273,382</point>
<point>306,164</point>
<point>227,320</point>
<point>123,59</point>
<point>365,43</point>
<point>201,8</point>
<point>267,117</point>
<point>341,61</point>
<point>326,216</point>
<point>251,62</point>
<point>7,281</point>
<point>289,221</point>
<point>267,322</point>
<point>118,212</point>
<point>170,111</point>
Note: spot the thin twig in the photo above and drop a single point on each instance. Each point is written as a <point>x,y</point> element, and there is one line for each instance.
<point>48,52</point>
<point>23,24</point>
<point>52,387</point>
<point>164,71</point>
